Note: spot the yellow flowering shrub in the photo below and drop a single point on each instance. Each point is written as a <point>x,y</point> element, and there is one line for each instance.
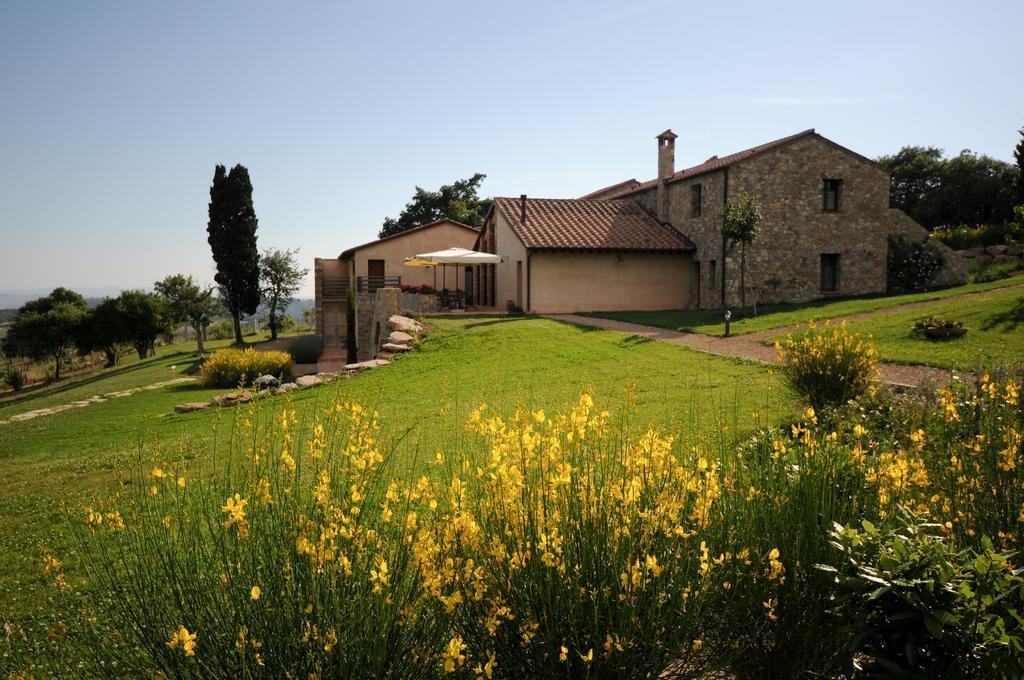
<point>828,364</point>
<point>240,367</point>
<point>532,544</point>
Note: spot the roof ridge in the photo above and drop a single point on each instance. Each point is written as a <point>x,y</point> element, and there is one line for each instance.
<point>418,227</point>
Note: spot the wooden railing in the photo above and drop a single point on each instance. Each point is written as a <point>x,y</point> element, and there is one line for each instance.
<point>366,284</point>
<point>334,287</point>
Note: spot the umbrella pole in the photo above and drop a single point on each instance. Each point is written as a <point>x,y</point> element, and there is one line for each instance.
<point>435,277</point>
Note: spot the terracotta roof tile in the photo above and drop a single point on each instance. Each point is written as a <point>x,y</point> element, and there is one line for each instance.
<point>613,190</point>
<point>589,224</point>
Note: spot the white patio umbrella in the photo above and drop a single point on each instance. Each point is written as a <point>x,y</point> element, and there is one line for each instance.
<point>456,256</point>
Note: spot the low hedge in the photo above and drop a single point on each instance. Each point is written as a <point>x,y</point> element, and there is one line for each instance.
<point>306,349</point>
<point>239,368</point>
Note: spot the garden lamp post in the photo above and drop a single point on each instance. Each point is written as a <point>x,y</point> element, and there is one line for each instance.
<point>728,317</point>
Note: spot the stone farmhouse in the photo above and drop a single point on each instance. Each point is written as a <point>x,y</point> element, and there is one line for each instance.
<point>657,244</point>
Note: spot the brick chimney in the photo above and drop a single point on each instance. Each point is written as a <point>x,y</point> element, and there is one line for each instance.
<point>666,168</point>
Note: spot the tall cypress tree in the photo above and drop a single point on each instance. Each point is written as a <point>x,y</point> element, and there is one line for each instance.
<point>232,238</point>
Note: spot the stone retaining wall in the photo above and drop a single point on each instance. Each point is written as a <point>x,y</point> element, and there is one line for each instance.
<point>986,255</point>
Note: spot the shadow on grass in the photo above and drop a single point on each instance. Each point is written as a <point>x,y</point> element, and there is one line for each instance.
<point>635,340</point>
<point>495,320</point>
<point>1008,320</point>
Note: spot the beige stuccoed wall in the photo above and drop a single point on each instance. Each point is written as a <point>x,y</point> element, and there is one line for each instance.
<point>334,268</point>
<point>585,282</point>
<point>511,249</point>
<point>394,251</point>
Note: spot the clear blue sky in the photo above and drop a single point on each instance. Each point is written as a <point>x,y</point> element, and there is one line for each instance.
<point>113,114</point>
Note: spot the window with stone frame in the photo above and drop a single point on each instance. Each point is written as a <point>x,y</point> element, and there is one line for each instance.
<point>831,188</point>
<point>695,196</point>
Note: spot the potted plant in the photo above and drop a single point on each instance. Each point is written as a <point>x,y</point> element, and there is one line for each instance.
<point>934,328</point>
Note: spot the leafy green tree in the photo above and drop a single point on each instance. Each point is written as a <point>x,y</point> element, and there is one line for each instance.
<point>145,318</point>
<point>309,317</point>
<point>456,201</point>
<point>232,238</point>
<point>280,279</point>
<point>915,177</point>
<point>45,328</point>
<point>103,330</point>
<point>187,302</point>
<point>740,226</point>
<point>937,192</point>
<point>1018,156</point>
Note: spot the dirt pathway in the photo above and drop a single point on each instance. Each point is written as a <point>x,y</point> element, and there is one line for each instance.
<point>95,399</point>
<point>747,347</point>
<point>751,346</point>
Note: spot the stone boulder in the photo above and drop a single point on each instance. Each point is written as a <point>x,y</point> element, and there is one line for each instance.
<point>995,250</point>
<point>232,398</point>
<point>970,253</point>
<point>286,388</point>
<point>405,325</point>
<point>1014,250</point>
<point>394,347</point>
<point>191,406</point>
<point>308,380</point>
<point>372,363</point>
<point>266,382</point>
<point>399,338</point>
<point>1005,257</point>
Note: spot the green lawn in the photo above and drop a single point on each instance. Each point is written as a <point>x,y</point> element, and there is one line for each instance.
<point>67,458</point>
<point>709,322</point>
<point>996,324</point>
<point>170,362</point>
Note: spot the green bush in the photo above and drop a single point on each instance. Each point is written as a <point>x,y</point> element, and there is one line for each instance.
<point>828,365</point>
<point>983,273</point>
<point>239,368</point>
<point>220,330</point>
<point>15,377</point>
<point>912,265</point>
<point>306,349</point>
<point>921,608</point>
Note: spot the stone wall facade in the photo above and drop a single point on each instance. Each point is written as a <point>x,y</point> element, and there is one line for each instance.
<point>785,263</point>
<point>373,310</point>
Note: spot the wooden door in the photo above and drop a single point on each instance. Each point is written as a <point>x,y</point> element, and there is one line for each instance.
<point>375,274</point>
<point>519,284</point>
<point>334,324</point>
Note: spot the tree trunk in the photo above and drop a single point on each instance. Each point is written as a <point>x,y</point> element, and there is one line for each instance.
<point>56,371</point>
<point>743,277</point>
<point>273,320</point>
<point>198,328</point>
<point>238,327</point>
